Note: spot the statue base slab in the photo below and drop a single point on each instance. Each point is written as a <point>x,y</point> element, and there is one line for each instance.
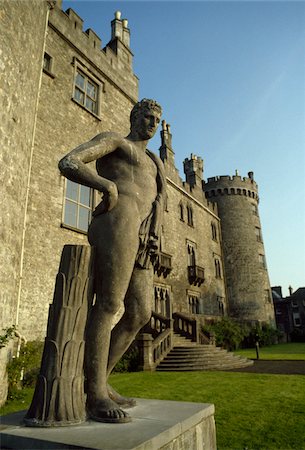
<point>155,424</point>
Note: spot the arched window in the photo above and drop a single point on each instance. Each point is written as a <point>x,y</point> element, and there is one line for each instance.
<point>217,268</point>
<point>181,211</point>
<point>214,231</point>
<point>191,255</point>
<point>190,220</point>
<point>193,304</point>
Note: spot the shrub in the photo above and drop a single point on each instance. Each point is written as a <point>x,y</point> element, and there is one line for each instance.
<point>228,333</point>
<point>265,335</point>
<point>297,335</point>
<point>9,334</point>
<point>129,361</point>
<point>23,371</point>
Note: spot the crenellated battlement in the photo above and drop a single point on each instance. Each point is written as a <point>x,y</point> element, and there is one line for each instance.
<point>231,185</point>
<point>113,62</point>
<point>119,29</point>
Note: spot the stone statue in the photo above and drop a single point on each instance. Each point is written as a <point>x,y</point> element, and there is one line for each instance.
<point>124,232</point>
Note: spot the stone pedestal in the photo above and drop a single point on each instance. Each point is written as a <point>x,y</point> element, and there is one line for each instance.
<point>156,424</point>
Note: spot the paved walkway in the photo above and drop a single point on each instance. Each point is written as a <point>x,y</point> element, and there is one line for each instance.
<point>285,367</point>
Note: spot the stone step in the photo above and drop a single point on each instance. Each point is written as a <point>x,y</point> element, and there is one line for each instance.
<point>190,356</point>
<point>204,366</point>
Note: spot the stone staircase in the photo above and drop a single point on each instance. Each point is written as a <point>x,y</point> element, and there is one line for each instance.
<point>190,356</point>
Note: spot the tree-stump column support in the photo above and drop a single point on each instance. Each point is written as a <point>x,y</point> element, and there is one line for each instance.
<point>59,398</point>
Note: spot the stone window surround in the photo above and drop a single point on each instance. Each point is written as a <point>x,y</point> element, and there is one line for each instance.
<point>190,215</point>
<point>214,231</point>
<point>81,67</point>
<point>48,64</point>
<point>162,298</point>
<point>181,211</point>
<point>218,271</point>
<point>191,252</point>
<point>262,260</point>
<point>193,301</point>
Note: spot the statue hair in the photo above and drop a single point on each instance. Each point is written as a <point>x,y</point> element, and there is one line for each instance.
<point>145,104</point>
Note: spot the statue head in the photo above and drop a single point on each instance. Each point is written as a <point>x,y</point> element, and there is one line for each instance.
<point>144,118</point>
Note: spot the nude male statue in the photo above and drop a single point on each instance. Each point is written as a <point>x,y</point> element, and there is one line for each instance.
<point>125,232</point>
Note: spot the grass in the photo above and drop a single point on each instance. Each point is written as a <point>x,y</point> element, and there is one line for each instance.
<point>253,411</point>
<point>22,401</point>
<point>291,351</point>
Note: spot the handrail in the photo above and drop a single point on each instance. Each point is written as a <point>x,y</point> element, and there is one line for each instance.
<point>161,346</point>
<point>188,327</point>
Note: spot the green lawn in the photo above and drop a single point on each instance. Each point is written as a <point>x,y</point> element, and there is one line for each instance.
<point>253,411</point>
<point>294,351</point>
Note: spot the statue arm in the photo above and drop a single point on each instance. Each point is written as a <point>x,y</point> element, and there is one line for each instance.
<point>74,167</point>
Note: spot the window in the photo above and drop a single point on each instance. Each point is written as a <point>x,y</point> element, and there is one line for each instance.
<point>262,261</point>
<point>190,221</point>
<point>296,319</point>
<point>193,301</point>
<point>86,92</point>
<point>214,231</point>
<point>267,296</point>
<point>254,209</point>
<point>78,206</point>
<point>258,234</point>
<point>162,300</point>
<point>191,254</point>
<point>48,64</point>
<point>217,268</point>
<point>221,306</point>
<point>181,211</point>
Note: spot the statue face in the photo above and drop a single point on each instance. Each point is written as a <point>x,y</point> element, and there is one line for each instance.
<point>145,123</point>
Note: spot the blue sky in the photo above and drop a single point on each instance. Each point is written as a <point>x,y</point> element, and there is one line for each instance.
<point>230,77</point>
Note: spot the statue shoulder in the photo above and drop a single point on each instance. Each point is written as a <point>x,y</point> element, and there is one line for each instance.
<point>108,136</point>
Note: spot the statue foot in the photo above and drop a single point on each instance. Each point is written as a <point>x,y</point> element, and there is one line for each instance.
<point>124,402</point>
<point>107,411</point>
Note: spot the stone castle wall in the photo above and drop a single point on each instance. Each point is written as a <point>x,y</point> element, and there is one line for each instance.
<point>249,293</point>
<point>20,72</point>
<point>62,124</point>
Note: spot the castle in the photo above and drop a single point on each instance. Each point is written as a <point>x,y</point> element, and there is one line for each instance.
<point>60,88</point>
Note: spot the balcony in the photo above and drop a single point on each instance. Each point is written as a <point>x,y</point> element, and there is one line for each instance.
<point>196,275</point>
<point>163,264</point>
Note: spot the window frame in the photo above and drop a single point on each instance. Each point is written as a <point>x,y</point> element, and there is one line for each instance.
<point>214,231</point>
<point>85,72</point>
<point>193,303</point>
<point>49,69</point>
<point>218,269</point>
<point>258,234</point>
<point>262,260</point>
<point>92,203</point>
<point>190,215</point>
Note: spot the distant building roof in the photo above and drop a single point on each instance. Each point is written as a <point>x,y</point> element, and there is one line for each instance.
<point>299,294</point>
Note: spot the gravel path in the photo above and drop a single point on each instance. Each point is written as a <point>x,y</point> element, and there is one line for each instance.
<point>286,367</point>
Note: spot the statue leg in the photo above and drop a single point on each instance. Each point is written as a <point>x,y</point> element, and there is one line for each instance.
<point>138,306</point>
<point>114,266</point>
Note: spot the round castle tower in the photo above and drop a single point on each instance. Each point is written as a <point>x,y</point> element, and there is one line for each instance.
<point>248,287</point>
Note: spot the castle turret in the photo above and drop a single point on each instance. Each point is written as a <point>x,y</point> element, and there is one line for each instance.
<point>193,169</point>
<point>249,292</point>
